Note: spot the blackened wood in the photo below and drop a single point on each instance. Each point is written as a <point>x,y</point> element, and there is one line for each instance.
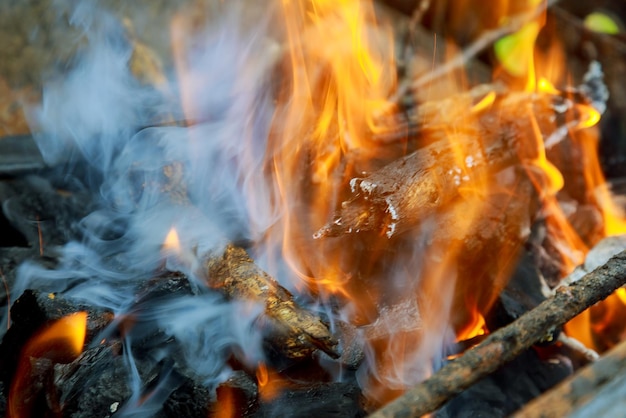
<point>34,310</point>
<point>337,399</point>
<point>294,331</point>
<point>97,383</point>
<point>597,390</point>
<point>241,392</point>
<point>505,344</point>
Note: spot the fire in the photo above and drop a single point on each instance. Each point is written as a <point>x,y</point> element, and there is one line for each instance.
<point>338,72</point>
<point>227,400</point>
<point>337,76</point>
<point>172,242</point>
<point>544,66</point>
<point>270,383</point>
<point>61,342</point>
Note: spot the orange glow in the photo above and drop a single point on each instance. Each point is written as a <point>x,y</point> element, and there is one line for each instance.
<point>227,407</point>
<point>605,317</point>
<point>61,342</point>
<point>473,329</point>
<point>172,242</point>
<point>270,383</point>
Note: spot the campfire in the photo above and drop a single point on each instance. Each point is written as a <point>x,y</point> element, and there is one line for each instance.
<point>306,207</point>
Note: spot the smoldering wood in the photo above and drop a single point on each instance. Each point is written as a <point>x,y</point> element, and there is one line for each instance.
<point>505,344</point>
<point>295,331</point>
<point>34,310</point>
<point>596,390</point>
<point>399,196</point>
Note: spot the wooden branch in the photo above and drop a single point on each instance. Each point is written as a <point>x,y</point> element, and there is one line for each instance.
<point>597,385</point>
<point>465,150</point>
<point>295,332</point>
<point>505,344</point>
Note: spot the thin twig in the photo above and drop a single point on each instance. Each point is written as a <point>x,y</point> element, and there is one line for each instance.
<point>507,343</point>
<point>487,39</point>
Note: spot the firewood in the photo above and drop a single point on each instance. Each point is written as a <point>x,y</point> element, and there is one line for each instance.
<point>400,195</point>
<point>505,344</point>
<point>595,390</point>
<point>295,331</point>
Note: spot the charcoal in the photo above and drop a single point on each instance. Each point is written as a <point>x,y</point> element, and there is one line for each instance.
<point>32,311</point>
<point>95,384</point>
<point>3,401</point>
<point>189,400</point>
<point>167,284</point>
<point>342,399</point>
<point>242,391</point>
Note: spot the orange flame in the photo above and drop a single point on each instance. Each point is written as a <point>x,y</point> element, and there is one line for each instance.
<point>548,180</point>
<point>270,383</point>
<point>338,77</point>
<point>61,342</point>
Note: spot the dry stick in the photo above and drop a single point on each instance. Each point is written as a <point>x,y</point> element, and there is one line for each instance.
<point>507,343</point>
<point>484,41</point>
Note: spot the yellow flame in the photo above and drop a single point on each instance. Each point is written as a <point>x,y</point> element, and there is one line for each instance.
<point>172,241</point>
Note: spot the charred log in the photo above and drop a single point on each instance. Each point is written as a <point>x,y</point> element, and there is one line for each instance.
<point>507,343</point>
<point>297,332</point>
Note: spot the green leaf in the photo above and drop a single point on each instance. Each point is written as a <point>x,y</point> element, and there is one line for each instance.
<point>515,51</point>
<point>600,22</point>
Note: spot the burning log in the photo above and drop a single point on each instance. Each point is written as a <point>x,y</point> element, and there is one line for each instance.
<point>595,390</point>
<point>295,331</point>
<point>505,344</point>
<point>402,194</point>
